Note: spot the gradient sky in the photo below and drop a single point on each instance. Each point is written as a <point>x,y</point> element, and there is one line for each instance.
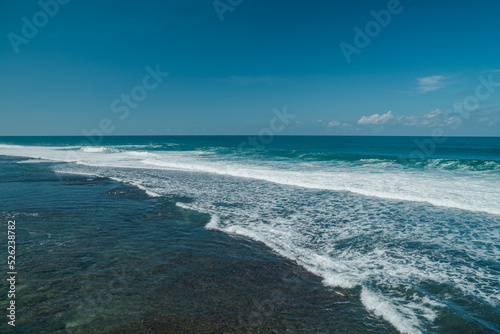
<point>425,70</point>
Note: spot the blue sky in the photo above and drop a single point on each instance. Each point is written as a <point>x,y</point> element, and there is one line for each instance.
<point>230,63</point>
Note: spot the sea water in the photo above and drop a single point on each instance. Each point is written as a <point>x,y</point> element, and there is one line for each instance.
<point>343,234</point>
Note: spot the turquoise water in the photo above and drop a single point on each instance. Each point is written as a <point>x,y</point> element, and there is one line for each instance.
<point>248,234</point>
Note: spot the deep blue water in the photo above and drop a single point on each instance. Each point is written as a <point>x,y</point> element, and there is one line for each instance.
<point>248,234</point>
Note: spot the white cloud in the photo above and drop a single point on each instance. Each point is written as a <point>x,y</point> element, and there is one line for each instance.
<point>430,83</point>
<point>489,115</point>
<point>435,118</point>
<point>376,118</point>
<point>334,123</point>
<point>431,119</point>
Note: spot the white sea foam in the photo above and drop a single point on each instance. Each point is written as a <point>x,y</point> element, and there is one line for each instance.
<point>376,234</point>
<point>384,308</point>
<point>92,149</point>
<point>138,185</point>
<point>346,269</point>
<point>460,190</point>
<point>34,161</point>
<point>214,222</point>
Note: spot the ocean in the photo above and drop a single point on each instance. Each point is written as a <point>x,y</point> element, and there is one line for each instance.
<point>238,234</point>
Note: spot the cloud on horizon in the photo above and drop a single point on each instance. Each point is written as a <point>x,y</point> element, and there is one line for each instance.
<point>435,118</point>
<point>376,118</point>
<point>432,119</point>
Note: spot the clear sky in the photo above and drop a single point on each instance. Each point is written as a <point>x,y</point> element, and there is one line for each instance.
<point>339,67</point>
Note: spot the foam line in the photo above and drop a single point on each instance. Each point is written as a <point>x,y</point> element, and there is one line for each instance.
<point>464,191</point>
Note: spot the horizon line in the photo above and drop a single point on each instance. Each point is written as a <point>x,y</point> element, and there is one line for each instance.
<point>247,135</point>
